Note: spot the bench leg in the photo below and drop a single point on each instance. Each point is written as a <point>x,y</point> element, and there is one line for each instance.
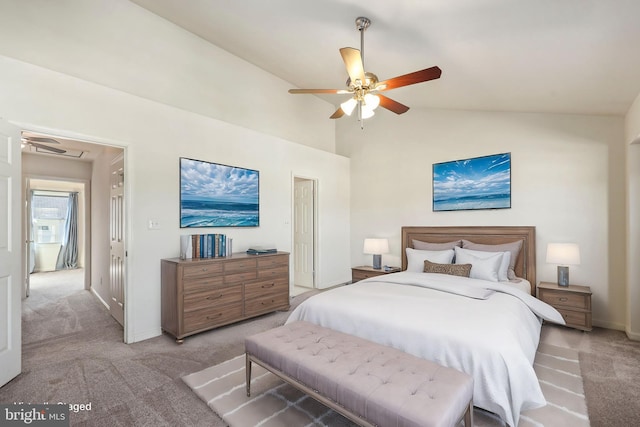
<point>468,416</point>
<point>248,372</point>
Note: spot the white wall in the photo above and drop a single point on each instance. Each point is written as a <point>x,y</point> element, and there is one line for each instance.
<point>632,138</point>
<point>156,135</point>
<point>120,45</point>
<point>565,173</point>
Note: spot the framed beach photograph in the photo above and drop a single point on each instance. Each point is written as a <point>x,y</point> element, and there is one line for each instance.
<point>476,183</point>
<point>217,195</point>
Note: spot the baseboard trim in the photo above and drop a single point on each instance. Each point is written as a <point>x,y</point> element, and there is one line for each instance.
<point>145,335</point>
<point>93,291</point>
<point>632,335</point>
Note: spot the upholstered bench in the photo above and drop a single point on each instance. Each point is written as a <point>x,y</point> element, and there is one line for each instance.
<point>369,383</point>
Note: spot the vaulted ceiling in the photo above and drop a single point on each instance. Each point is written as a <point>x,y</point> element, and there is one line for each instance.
<point>560,56</point>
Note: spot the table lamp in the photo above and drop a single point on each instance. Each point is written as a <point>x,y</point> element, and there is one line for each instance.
<point>563,254</point>
<point>376,247</point>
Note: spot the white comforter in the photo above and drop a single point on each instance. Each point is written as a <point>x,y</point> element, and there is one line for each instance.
<point>489,330</point>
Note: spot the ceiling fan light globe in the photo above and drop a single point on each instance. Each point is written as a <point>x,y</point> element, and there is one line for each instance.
<point>367,113</point>
<point>348,106</point>
<point>371,101</point>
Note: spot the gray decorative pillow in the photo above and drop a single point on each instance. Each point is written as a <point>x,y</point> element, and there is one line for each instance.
<point>428,246</point>
<point>513,247</point>
<point>452,269</point>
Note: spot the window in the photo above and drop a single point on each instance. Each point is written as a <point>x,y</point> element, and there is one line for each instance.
<point>49,212</point>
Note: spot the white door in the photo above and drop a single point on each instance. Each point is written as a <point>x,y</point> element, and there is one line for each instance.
<point>117,243</point>
<point>29,256</point>
<point>303,232</point>
<point>10,253</point>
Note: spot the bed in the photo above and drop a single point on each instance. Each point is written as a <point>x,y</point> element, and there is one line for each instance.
<point>488,329</point>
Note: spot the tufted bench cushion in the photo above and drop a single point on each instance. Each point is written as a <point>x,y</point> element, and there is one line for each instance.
<point>369,383</point>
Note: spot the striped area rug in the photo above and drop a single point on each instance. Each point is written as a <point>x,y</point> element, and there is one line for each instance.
<point>274,403</point>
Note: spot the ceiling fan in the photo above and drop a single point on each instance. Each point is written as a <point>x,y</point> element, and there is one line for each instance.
<point>365,86</point>
<point>38,142</point>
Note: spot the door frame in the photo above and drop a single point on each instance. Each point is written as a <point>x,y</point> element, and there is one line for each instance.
<point>314,246</point>
<point>128,294</point>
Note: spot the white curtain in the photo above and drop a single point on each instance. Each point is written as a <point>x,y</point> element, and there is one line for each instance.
<point>68,255</point>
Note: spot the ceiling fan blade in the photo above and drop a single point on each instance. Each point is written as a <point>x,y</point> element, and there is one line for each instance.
<point>410,79</point>
<point>338,91</point>
<point>353,62</point>
<point>47,148</point>
<point>338,113</point>
<point>392,105</point>
<point>41,139</point>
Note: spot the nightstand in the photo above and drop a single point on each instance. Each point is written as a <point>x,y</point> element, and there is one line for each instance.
<point>573,302</point>
<point>364,272</point>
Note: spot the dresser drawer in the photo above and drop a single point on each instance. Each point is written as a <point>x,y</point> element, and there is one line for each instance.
<point>221,296</point>
<point>565,299</point>
<point>239,265</point>
<point>273,261</point>
<point>576,319</point>
<point>282,271</point>
<point>203,284</point>
<point>264,288</point>
<point>357,275</point>
<point>211,316</point>
<point>266,304</point>
<point>201,270</point>
<point>237,278</point>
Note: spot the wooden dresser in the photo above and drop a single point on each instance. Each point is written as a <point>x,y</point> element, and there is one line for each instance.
<point>201,294</point>
<point>573,302</point>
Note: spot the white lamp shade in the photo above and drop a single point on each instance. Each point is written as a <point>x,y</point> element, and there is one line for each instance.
<point>563,253</point>
<point>367,113</point>
<point>371,101</point>
<point>348,106</point>
<point>376,246</point>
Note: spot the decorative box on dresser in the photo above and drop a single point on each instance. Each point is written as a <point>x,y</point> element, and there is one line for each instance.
<point>573,302</point>
<point>364,272</point>
<point>205,293</point>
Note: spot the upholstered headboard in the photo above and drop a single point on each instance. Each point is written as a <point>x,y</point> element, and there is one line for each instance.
<point>525,266</point>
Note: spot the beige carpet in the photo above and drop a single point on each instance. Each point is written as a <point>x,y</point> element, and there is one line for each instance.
<point>274,403</point>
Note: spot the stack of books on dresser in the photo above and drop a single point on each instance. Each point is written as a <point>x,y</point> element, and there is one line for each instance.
<point>205,246</point>
<point>259,250</point>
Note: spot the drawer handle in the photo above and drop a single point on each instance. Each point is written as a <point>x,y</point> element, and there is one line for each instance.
<point>270,285</point>
<point>563,299</point>
<point>265,303</point>
<point>214,317</point>
<point>204,268</point>
<point>212,298</point>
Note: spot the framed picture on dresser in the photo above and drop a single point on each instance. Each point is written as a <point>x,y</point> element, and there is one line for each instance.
<point>474,183</point>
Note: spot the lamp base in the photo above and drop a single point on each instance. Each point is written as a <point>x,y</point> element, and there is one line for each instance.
<point>377,262</point>
<point>563,276</point>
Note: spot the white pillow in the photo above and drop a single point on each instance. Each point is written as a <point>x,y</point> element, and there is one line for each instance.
<point>481,268</point>
<point>415,258</point>
<point>503,269</point>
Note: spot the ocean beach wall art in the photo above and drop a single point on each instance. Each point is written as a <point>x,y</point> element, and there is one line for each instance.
<point>476,183</point>
<point>218,195</point>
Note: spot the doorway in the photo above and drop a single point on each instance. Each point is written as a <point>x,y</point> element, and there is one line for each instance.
<point>51,165</point>
<point>304,234</point>
<point>56,229</point>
